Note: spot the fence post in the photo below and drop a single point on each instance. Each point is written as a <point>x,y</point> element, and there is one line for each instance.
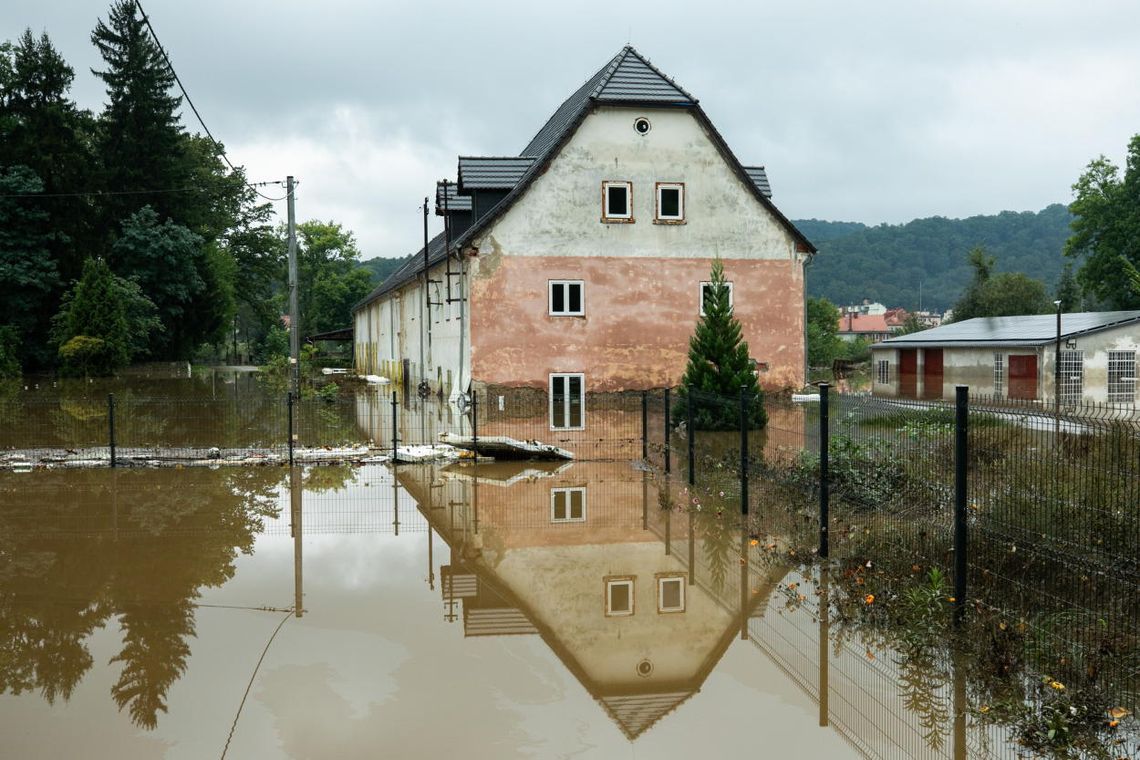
<point>824,479</point>
<point>690,434</point>
<point>743,450</point>
<point>475,423</point>
<point>289,405</point>
<point>111,425</point>
<point>394,440</point>
<point>668,463</point>
<point>961,417</point>
<point>645,426</point>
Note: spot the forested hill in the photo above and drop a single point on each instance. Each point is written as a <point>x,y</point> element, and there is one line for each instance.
<point>379,268</point>
<point>890,262</point>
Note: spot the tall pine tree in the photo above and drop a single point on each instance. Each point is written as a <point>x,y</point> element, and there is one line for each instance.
<point>719,368</point>
<point>141,141</point>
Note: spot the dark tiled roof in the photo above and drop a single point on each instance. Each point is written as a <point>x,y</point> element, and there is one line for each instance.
<point>492,172</point>
<point>1029,330</point>
<point>455,202</point>
<point>759,178</point>
<point>408,271</point>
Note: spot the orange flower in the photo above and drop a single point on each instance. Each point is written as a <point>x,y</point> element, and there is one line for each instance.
<point>1113,723</point>
<point>869,599</point>
<point>754,542</point>
<point>1057,685</point>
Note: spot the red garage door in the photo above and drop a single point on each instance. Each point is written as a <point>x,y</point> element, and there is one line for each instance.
<point>1023,376</point>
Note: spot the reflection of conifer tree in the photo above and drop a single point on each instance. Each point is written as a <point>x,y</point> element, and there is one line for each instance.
<point>153,656</point>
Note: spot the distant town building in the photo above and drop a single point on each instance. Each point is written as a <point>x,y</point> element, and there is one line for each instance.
<point>582,263</point>
<point>867,308</point>
<point>871,327</point>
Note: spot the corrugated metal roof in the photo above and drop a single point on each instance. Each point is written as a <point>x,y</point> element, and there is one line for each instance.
<point>455,202</point>
<point>759,178</point>
<point>1027,330</point>
<point>492,172</point>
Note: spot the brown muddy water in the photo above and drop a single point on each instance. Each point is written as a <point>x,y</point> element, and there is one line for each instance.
<point>515,610</point>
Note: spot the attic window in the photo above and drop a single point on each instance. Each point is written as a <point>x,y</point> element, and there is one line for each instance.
<point>617,202</point>
<point>670,203</point>
<point>671,593</point>
<point>619,595</point>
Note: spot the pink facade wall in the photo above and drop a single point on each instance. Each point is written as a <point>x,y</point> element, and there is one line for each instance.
<point>639,315</point>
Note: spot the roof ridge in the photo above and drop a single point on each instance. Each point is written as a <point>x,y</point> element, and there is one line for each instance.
<point>615,62</point>
<point>503,158</point>
<point>631,49</point>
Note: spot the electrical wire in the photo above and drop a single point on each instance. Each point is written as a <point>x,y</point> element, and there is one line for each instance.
<point>186,96</point>
<point>252,677</point>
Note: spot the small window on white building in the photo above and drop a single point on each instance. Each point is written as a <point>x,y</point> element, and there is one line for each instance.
<point>671,593</point>
<point>617,201</point>
<point>567,401</point>
<point>706,293</point>
<point>619,596</point>
<point>883,371</point>
<point>670,202</point>
<point>999,375</point>
<point>565,298</point>
<point>567,505</point>
<point>1072,377</point>
<point>1121,377</point>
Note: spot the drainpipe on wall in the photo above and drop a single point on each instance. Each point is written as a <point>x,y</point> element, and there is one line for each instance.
<point>807,263</point>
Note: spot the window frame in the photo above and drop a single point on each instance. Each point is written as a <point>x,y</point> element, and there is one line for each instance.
<point>551,284</point>
<point>999,375</point>
<point>555,492</point>
<point>701,295</point>
<point>566,410</point>
<point>1119,365</point>
<point>883,371</point>
<point>662,579</point>
<point>657,217</point>
<point>1072,375</point>
<point>609,218</point>
<point>620,580</point>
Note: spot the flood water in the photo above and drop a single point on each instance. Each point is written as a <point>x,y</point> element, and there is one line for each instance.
<point>441,607</point>
<point>500,610</point>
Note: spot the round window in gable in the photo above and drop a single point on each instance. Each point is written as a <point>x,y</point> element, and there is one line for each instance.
<point>641,125</point>
<point>644,668</point>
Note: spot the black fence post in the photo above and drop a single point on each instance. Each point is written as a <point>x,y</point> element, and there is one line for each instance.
<point>475,423</point>
<point>289,407</point>
<point>691,435</point>
<point>743,450</point>
<point>961,417</point>
<point>645,426</point>
<point>824,479</point>
<point>111,425</point>
<point>668,463</point>
<point>394,439</point>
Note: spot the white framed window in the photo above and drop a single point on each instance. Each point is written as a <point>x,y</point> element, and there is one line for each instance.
<point>670,203</point>
<point>568,401</point>
<point>567,505</point>
<point>999,375</point>
<point>619,595</point>
<point>670,593</point>
<point>706,292</point>
<point>1072,377</point>
<point>883,371</point>
<point>565,298</point>
<point>617,201</point>
<point>1121,377</point>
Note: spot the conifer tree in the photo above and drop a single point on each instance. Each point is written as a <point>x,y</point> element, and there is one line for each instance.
<point>719,366</point>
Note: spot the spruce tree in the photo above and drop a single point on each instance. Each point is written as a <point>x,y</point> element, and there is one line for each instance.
<point>142,145</point>
<point>719,366</point>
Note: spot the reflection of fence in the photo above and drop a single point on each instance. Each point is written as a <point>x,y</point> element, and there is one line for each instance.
<point>1023,520</point>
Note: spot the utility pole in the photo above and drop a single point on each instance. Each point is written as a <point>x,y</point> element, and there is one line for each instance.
<point>294,312</point>
<point>425,327</point>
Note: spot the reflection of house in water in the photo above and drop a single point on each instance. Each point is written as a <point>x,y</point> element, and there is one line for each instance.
<point>567,552</point>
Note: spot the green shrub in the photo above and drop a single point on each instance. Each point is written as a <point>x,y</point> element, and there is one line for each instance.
<point>84,356</point>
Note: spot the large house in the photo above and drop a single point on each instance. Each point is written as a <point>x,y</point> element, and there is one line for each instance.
<point>581,264</point>
<point>1015,358</point>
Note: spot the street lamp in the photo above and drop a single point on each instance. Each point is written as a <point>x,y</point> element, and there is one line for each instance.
<point>1057,369</point>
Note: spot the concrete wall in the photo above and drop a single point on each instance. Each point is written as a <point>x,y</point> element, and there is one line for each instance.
<point>641,279</point>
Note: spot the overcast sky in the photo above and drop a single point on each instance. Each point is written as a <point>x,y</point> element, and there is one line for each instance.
<point>881,111</point>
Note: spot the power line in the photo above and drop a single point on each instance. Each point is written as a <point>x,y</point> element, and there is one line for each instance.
<point>97,193</point>
<point>186,95</point>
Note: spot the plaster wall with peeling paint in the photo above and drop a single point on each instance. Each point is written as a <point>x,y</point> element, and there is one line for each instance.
<point>642,280</point>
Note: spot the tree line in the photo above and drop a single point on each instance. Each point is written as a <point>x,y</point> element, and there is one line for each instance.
<point>125,237</point>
